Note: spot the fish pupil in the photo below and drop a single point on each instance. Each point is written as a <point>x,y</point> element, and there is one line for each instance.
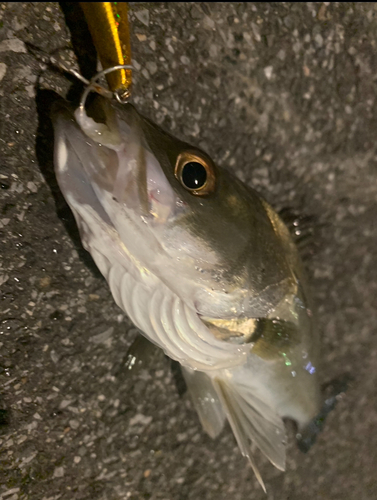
<point>194,175</point>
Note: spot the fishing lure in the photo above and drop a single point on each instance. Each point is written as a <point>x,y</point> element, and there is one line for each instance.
<point>108,25</point>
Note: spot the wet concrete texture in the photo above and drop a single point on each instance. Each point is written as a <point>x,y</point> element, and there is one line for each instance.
<point>285,96</point>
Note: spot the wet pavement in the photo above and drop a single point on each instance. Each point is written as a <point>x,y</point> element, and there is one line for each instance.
<point>285,96</point>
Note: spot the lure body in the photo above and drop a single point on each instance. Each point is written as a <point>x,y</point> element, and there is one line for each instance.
<point>108,25</point>
<point>214,280</point>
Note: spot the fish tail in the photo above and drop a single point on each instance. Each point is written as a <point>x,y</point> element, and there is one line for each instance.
<point>253,421</point>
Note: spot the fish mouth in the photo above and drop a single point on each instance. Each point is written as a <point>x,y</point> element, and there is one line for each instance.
<point>106,150</point>
<point>73,179</point>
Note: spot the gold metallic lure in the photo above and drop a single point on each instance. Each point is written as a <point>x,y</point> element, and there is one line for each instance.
<point>108,25</point>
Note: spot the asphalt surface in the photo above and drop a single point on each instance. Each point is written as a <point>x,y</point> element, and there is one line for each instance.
<point>285,96</point>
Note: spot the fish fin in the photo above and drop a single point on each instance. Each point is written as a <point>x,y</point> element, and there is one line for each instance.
<point>179,380</point>
<point>302,228</point>
<point>274,338</point>
<point>253,421</point>
<point>206,401</point>
<point>140,355</point>
<point>308,436</point>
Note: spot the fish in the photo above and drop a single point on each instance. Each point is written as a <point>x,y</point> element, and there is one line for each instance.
<point>201,264</point>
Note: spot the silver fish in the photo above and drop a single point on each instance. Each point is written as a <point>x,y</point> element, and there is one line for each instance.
<point>201,264</point>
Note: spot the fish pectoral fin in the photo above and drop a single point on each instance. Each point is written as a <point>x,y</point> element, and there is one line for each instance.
<point>274,338</point>
<point>253,421</point>
<point>206,401</point>
<point>141,355</point>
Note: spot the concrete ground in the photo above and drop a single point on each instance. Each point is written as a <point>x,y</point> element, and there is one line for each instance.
<point>283,94</point>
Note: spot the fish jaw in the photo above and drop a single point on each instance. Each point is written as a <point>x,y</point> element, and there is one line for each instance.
<point>115,161</point>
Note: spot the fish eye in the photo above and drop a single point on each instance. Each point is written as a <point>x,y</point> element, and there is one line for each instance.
<point>196,173</point>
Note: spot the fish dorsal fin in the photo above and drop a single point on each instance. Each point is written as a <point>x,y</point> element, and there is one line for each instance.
<point>252,421</point>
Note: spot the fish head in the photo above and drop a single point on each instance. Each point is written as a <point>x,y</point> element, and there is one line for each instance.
<point>205,234</point>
